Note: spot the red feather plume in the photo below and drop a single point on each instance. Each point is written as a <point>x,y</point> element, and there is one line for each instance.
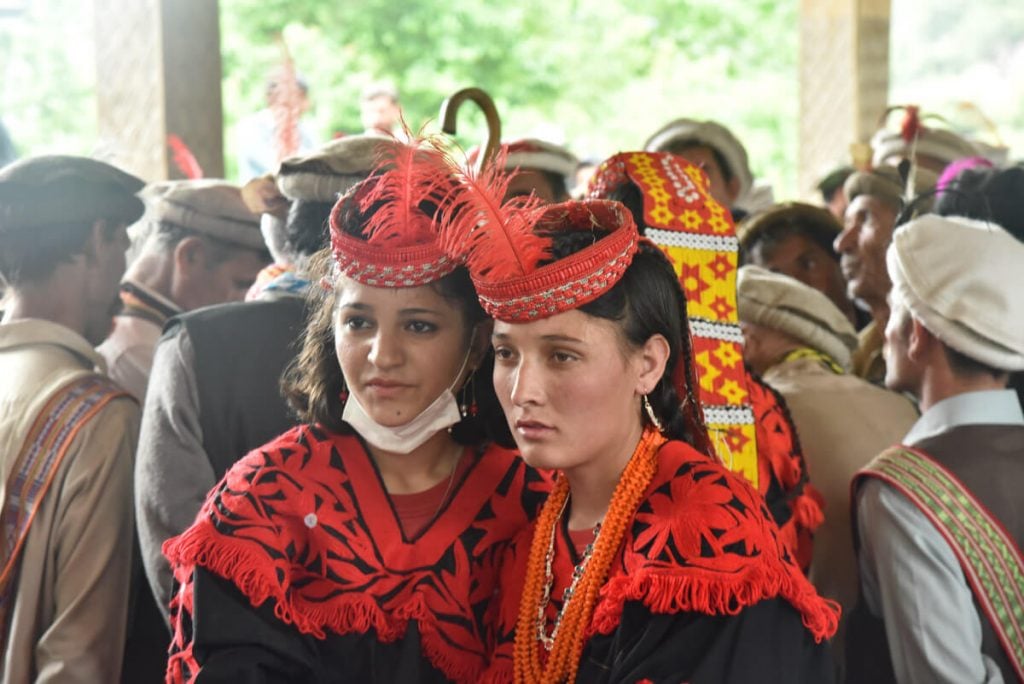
<point>410,173</point>
<point>183,158</point>
<point>494,238</point>
<point>911,125</point>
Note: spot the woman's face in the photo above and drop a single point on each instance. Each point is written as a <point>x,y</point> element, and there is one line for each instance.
<point>399,348</point>
<point>570,388</point>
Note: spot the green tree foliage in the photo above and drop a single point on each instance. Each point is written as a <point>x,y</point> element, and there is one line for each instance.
<point>47,74</point>
<point>963,62</point>
<point>603,74</point>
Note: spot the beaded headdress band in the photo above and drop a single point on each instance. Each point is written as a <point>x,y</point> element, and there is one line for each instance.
<point>506,246</point>
<point>540,291</point>
<point>698,235</point>
<point>400,247</point>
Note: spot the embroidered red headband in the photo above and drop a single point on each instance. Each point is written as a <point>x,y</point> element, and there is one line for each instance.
<point>399,245</point>
<point>570,282</point>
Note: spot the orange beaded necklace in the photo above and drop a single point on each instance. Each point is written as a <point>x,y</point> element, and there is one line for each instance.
<point>567,643</point>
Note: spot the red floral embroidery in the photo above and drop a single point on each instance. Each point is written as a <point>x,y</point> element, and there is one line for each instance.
<point>284,525</point>
<point>702,541</point>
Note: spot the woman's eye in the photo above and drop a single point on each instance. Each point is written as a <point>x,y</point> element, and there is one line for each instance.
<point>356,323</point>
<point>421,327</point>
<point>563,357</point>
<point>502,353</point>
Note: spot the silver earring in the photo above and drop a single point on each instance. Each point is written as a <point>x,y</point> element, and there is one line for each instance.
<point>651,416</point>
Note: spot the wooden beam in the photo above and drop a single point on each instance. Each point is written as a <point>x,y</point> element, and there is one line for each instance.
<point>159,73</point>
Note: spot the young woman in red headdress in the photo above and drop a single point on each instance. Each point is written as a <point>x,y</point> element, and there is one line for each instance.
<point>650,561</point>
<point>363,545</point>
<point>752,432</point>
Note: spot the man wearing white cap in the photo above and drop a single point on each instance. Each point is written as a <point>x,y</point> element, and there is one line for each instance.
<point>715,149</point>
<point>215,393</point>
<point>200,245</point>
<point>939,518</point>
<point>800,344</point>
<point>932,149</point>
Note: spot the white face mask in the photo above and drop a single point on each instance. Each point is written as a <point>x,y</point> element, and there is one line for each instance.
<point>442,413</point>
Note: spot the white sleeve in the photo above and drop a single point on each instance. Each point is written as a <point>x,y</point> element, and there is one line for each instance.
<point>911,578</point>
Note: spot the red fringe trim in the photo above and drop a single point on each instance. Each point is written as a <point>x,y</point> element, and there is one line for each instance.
<point>714,594</point>
<point>245,565</point>
<point>502,673</point>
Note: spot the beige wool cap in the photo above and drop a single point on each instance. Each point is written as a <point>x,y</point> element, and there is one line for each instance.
<point>785,304</point>
<point>211,207</point>
<point>942,144</point>
<point>54,189</point>
<point>962,279</point>
<point>814,219</point>
<point>328,172</point>
<point>711,134</point>
<point>883,182</point>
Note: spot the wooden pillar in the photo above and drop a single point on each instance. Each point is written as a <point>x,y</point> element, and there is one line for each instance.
<point>844,80</point>
<point>159,73</point>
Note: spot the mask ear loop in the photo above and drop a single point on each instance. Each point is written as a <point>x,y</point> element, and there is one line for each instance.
<point>466,408</point>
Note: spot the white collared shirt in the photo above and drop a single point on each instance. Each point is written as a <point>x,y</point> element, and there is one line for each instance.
<point>909,574</point>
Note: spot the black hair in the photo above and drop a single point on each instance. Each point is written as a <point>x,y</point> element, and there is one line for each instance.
<point>833,182</point>
<point>30,255</point>
<point>306,228</point>
<point>987,195</point>
<point>646,301</point>
<point>962,364</point>
<point>770,236</point>
<point>557,183</point>
<point>313,383</point>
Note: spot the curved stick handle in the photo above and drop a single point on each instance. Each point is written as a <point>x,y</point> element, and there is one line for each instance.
<point>450,110</point>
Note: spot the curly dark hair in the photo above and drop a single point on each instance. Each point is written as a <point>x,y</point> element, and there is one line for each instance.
<point>313,383</point>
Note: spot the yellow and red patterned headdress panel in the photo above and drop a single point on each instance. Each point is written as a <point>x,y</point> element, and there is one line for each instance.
<point>698,236</point>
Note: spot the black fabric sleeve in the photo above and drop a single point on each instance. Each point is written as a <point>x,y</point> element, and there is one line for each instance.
<point>234,642</point>
<point>765,643</point>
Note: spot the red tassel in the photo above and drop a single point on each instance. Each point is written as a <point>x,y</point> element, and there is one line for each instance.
<point>911,126</point>
<point>183,158</point>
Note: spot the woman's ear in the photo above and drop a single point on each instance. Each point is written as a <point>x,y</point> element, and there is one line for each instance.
<point>652,359</point>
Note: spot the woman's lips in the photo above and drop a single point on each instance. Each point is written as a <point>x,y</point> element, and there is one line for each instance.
<point>386,388</point>
<point>533,430</point>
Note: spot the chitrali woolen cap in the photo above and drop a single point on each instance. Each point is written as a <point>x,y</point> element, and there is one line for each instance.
<point>962,279</point>
<point>54,189</point>
<point>332,169</point>
<point>400,246</point>
<point>534,154</point>
<point>208,206</point>
<point>782,303</point>
<point>710,134</point>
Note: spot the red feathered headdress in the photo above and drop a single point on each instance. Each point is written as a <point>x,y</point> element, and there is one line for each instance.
<point>505,246</point>
<point>399,246</point>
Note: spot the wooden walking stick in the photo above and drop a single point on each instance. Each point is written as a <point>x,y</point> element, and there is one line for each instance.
<point>449,114</point>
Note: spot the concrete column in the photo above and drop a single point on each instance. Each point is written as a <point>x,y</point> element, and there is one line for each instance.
<point>844,80</point>
<point>159,73</point>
